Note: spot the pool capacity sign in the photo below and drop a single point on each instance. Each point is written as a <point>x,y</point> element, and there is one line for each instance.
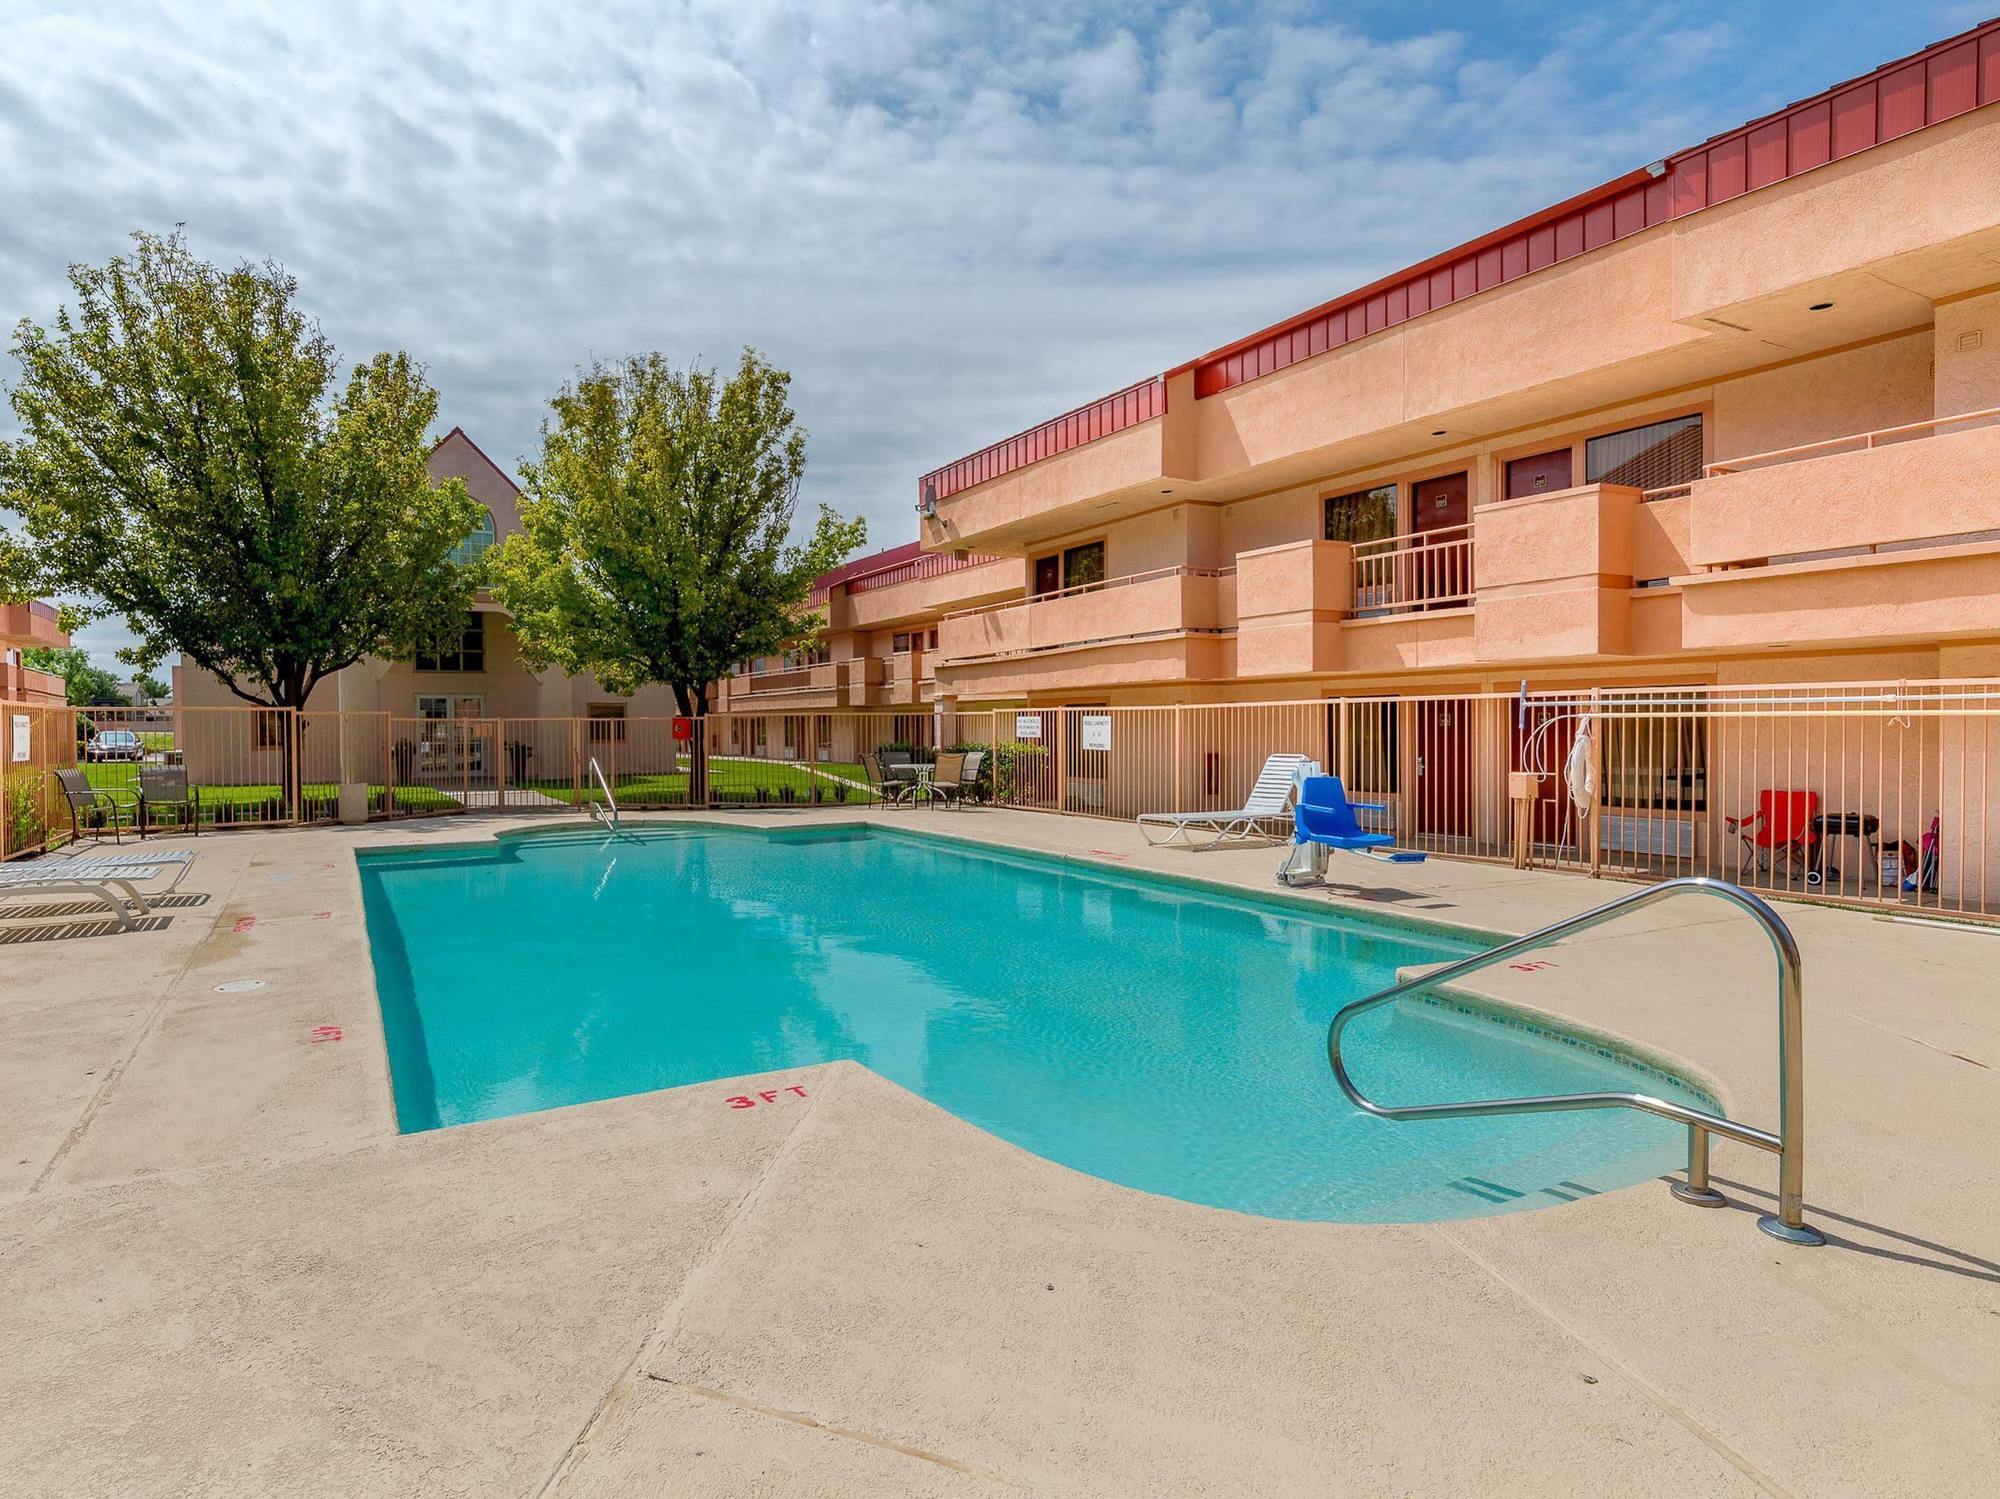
<point>1096,733</point>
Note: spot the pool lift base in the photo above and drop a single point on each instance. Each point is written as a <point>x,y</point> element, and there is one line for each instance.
<point>1800,1233</point>
<point>1701,1197</point>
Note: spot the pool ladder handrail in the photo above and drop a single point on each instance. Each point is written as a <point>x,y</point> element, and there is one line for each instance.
<point>1788,1144</point>
<point>597,811</point>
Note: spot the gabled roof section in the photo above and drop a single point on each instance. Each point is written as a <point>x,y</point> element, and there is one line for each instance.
<point>463,436</point>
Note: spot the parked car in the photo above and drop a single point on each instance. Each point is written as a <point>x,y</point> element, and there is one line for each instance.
<point>115,744</point>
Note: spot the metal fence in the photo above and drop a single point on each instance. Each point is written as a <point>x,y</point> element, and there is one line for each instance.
<point>1869,792</point>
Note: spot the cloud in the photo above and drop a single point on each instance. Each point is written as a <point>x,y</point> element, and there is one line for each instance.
<point>949,220</point>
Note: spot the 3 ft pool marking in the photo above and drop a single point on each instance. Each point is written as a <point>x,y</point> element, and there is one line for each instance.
<point>749,1101</point>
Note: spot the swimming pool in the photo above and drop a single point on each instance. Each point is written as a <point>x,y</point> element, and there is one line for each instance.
<point>1153,1033</point>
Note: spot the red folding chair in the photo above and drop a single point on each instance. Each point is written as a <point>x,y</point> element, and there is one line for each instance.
<point>1780,834</point>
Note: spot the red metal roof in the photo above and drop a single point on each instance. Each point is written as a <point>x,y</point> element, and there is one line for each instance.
<point>1943,80</point>
<point>1925,88</point>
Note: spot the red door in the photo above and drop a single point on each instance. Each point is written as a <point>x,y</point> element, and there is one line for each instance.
<point>1048,574</point>
<point>1444,768</point>
<point>1442,571</point>
<point>1544,473</point>
<point>1554,730</point>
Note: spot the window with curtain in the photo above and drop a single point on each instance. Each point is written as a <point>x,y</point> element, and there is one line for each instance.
<point>1659,455</point>
<point>1084,564</point>
<point>1365,515</point>
<point>1659,762</point>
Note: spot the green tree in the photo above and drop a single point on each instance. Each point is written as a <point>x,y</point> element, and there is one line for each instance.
<point>85,684</point>
<point>656,536</point>
<point>188,464</point>
<point>152,688</point>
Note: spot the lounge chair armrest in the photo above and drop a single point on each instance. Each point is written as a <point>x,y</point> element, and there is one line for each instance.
<point>1369,806</point>
<point>112,793</point>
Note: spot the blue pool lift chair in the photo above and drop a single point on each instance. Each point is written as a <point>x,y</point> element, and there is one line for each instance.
<point>1325,819</point>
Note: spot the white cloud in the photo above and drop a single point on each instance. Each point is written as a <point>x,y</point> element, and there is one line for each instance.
<point>949,220</point>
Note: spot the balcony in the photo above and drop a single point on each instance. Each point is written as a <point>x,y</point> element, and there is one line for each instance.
<point>1127,444</point>
<point>28,687</point>
<point>1929,483</point>
<point>1168,623</point>
<point>31,624</point>
<point>1884,536</point>
<point>923,593</point>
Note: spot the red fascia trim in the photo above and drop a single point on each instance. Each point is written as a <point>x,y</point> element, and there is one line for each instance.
<point>874,562</point>
<point>1436,262</point>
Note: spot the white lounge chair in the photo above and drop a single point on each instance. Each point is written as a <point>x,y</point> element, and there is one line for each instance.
<point>1270,798</point>
<point>97,875</point>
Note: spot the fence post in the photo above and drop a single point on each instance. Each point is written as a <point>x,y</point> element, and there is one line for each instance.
<point>1177,800</point>
<point>295,787</point>
<point>1597,781</point>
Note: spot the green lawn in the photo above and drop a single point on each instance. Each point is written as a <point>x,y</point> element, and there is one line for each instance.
<point>728,780</point>
<point>264,802</point>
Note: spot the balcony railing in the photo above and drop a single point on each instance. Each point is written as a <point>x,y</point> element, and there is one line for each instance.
<point>1135,606</point>
<point>1421,570</point>
<point>1854,442</point>
<point>1124,580</point>
<point>930,565</point>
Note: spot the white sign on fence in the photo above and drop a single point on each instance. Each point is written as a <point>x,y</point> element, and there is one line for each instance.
<point>1027,725</point>
<point>23,737</point>
<point>1097,731</point>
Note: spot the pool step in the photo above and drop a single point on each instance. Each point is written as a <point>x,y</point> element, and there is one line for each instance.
<point>1492,1191</point>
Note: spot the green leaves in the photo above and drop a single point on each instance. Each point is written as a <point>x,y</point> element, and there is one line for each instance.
<point>190,465</point>
<point>656,541</point>
<point>84,683</point>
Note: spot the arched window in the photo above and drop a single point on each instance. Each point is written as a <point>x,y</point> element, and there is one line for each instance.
<point>474,546</point>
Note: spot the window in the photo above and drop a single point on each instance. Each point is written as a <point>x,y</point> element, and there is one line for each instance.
<point>1659,455</point>
<point>1084,564</point>
<point>901,643</point>
<point>270,733</point>
<point>823,731</point>
<point>1657,763</point>
<point>607,723</point>
<point>1365,515</point>
<point>1545,473</point>
<point>474,546</point>
<point>467,653</point>
<point>1374,758</point>
<point>932,643</point>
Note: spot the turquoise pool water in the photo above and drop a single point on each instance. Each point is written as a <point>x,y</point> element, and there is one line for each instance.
<point>1145,1032</point>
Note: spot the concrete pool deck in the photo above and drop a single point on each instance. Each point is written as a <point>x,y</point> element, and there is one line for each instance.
<point>223,1271</point>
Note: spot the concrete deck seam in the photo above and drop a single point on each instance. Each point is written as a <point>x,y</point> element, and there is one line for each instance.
<point>1646,1389</point>
<point>116,1072</point>
<point>663,1327</point>
<point>867,1439</point>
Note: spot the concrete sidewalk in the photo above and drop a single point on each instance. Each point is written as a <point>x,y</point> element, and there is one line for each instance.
<point>222,1271</point>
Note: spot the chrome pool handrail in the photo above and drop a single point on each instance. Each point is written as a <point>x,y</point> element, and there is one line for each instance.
<point>1788,1144</point>
<point>597,813</point>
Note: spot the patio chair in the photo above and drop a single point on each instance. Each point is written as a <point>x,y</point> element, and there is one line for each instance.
<point>99,876</point>
<point>887,787</point>
<point>159,787</point>
<point>97,807</point>
<point>1325,819</point>
<point>968,776</point>
<point>947,781</point>
<point>1269,800</point>
<point>1781,835</point>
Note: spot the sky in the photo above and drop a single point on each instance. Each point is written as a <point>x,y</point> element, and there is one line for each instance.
<point>948,220</point>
